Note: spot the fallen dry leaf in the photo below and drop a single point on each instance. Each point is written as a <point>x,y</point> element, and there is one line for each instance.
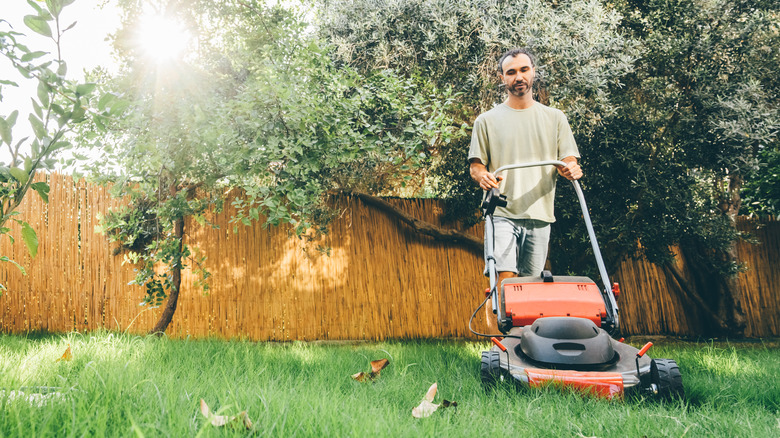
<point>376,367</point>
<point>431,394</point>
<point>67,355</point>
<point>379,365</point>
<point>360,377</point>
<point>35,399</point>
<point>424,409</point>
<point>428,407</point>
<point>221,420</point>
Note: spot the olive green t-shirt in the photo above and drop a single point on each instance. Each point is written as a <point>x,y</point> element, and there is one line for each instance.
<point>505,136</point>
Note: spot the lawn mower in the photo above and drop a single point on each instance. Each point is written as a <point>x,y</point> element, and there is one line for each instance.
<point>557,330</point>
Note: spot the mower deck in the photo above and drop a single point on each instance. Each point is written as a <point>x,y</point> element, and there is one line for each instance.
<point>611,379</point>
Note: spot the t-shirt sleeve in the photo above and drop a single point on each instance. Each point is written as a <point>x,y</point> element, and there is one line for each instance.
<point>567,147</point>
<point>479,142</point>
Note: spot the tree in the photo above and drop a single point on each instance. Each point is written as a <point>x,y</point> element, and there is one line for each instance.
<point>698,112</point>
<point>59,104</point>
<point>161,154</point>
<point>265,111</point>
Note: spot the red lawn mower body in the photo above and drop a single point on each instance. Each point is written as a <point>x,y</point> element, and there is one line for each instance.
<point>556,330</point>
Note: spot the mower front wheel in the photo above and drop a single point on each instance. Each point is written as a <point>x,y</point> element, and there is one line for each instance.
<point>666,376</point>
<point>490,371</point>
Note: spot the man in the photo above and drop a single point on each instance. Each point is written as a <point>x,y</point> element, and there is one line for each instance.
<point>522,130</point>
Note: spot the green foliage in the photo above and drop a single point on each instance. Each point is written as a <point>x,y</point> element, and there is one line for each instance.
<point>133,227</point>
<point>144,231</point>
<point>347,132</point>
<point>30,238</point>
<point>762,192</point>
<point>58,103</point>
<point>694,114</point>
<point>307,127</point>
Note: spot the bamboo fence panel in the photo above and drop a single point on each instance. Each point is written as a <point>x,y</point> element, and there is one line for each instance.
<point>648,301</point>
<point>74,282</point>
<point>760,282</point>
<point>379,280</point>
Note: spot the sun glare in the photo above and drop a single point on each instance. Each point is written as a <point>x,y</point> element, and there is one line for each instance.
<point>163,38</point>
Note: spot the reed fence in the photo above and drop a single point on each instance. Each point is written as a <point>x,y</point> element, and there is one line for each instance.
<point>650,302</point>
<point>378,281</point>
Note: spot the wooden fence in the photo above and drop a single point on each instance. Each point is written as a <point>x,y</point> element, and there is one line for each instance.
<point>379,281</point>
<point>652,304</point>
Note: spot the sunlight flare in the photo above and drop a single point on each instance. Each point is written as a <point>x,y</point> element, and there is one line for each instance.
<point>163,38</point>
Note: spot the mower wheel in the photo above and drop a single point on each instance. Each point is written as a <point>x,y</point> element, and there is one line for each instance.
<point>490,371</point>
<point>665,374</point>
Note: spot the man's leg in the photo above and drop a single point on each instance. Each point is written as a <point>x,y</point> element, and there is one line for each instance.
<point>505,250</point>
<point>533,245</point>
<point>505,247</point>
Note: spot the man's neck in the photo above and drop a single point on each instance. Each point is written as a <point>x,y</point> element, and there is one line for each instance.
<point>515,102</point>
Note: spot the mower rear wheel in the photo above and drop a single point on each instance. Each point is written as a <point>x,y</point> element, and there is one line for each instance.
<point>490,371</point>
<point>666,376</point>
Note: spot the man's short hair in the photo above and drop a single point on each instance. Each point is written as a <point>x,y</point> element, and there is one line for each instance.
<point>512,53</point>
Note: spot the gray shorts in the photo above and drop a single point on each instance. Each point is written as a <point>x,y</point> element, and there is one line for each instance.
<point>520,245</point>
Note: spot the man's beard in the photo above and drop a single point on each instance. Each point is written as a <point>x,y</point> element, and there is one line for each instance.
<point>518,90</point>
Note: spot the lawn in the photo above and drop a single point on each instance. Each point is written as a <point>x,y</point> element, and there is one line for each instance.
<point>123,385</point>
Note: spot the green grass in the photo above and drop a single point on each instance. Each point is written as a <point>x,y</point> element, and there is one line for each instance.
<point>121,385</point>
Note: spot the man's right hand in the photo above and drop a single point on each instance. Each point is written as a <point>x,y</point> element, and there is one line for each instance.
<point>481,176</point>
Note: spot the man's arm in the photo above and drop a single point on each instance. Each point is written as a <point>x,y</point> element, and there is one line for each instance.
<point>572,170</point>
<point>481,176</point>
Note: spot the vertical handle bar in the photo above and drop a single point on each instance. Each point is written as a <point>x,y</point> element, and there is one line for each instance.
<point>611,304</point>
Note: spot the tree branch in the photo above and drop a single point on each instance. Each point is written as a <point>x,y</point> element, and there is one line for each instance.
<point>440,234</point>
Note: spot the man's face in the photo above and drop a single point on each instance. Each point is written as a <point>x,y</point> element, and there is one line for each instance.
<point>518,75</point>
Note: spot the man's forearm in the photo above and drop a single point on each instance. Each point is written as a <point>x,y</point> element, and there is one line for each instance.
<point>477,170</point>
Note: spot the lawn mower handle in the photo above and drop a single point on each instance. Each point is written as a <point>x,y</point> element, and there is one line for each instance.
<point>611,303</point>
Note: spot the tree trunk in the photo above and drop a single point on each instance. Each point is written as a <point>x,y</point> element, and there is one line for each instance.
<point>690,293</point>
<point>732,309</point>
<point>173,298</point>
<point>714,292</point>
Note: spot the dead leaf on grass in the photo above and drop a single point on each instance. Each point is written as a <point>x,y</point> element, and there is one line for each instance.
<point>376,367</point>
<point>67,355</point>
<point>428,407</point>
<point>222,420</point>
<point>35,399</point>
